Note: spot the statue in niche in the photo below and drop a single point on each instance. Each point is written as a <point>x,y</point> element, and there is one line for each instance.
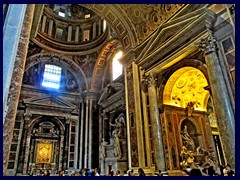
<point>33,76</point>
<point>102,149</point>
<point>110,91</point>
<point>119,126</point>
<point>117,146</point>
<point>187,140</point>
<point>71,83</point>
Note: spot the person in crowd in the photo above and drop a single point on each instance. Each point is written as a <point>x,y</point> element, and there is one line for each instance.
<point>221,170</point>
<point>61,173</point>
<point>117,173</point>
<point>96,172</point>
<point>159,173</point>
<point>141,172</point>
<point>132,172</point>
<point>125,173</point>
<point>227,171</point>
<point>185,172</point>
<point>195,172</point>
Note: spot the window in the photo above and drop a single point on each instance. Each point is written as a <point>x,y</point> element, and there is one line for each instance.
<point>86,35</point>
<point>52,76</point>
<point>59,33</point>
<point>104,25</point>
<point>229,52</point>
<point>87,16</point>
<point>116,66</point>
<point>61,14</point>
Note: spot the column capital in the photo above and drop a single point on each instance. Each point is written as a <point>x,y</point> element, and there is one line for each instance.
<point>104,116</point>
<point>152,80</point>
<point>67,120</point>
<point>27,116</point>
<point>208,45</point>
<point>148,81</point>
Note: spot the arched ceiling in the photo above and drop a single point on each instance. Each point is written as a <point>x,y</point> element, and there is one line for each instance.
<point>134,23</point>
<point>131,24</point>
<point>184,86</point>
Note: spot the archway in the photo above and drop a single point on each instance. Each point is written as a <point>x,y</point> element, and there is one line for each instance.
<point>184,86</point>
<point>184,107</point>
<point>45,145</point>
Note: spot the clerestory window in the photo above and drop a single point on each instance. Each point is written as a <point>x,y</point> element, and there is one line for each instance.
<point>52,76</point>
<point>116,66</point>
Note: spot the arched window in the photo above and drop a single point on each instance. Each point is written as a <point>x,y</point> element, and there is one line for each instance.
<point>52,76</point>
<point>116,66</point>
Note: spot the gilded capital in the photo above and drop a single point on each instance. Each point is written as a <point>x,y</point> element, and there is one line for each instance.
<point>152,80</point>
<point>208,45</point>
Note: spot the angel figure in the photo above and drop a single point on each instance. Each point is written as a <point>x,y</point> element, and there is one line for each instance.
<point>119,125</point>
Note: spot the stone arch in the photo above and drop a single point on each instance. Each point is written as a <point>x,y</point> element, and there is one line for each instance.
<point>53,119</point>
<point>64,61</point>
<point>192,129</point>
<point>174,74</point>
<point>98,70</point>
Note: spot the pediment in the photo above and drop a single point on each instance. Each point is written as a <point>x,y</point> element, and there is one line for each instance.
<point>50,101</point>
<point>110,91</point>
<point>170,30</point>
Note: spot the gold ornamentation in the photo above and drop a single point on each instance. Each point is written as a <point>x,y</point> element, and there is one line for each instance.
<point>44,153</point>
<point>181,83</point>
<point>184,86</point>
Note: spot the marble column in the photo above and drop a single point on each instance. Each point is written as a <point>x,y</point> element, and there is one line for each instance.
<point>90,134</point>
<point>69,38</point>
<point>147,140</point>
<point>99,27</point>
<point>100,122</point>
<point>155,124</point>
<point>127,118</point>
<point>77,34</point>
<point>11,36</point>
<point>16,82</point>
<point>81,136</point>
<point>221,98</point>
<point>105,127</point>
<point>94,30</point>
<point>138,115</point>
<point>27,118</point>
<point>60,167</point>
<point>86,136</point>
<point>43,23</point>
<point>50,26</point>
<point>66,144</point>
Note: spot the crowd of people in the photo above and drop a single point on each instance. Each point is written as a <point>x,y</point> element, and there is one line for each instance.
<point>207,171</point>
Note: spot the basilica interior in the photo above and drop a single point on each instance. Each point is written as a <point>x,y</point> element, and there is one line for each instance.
<point>118,87</point>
